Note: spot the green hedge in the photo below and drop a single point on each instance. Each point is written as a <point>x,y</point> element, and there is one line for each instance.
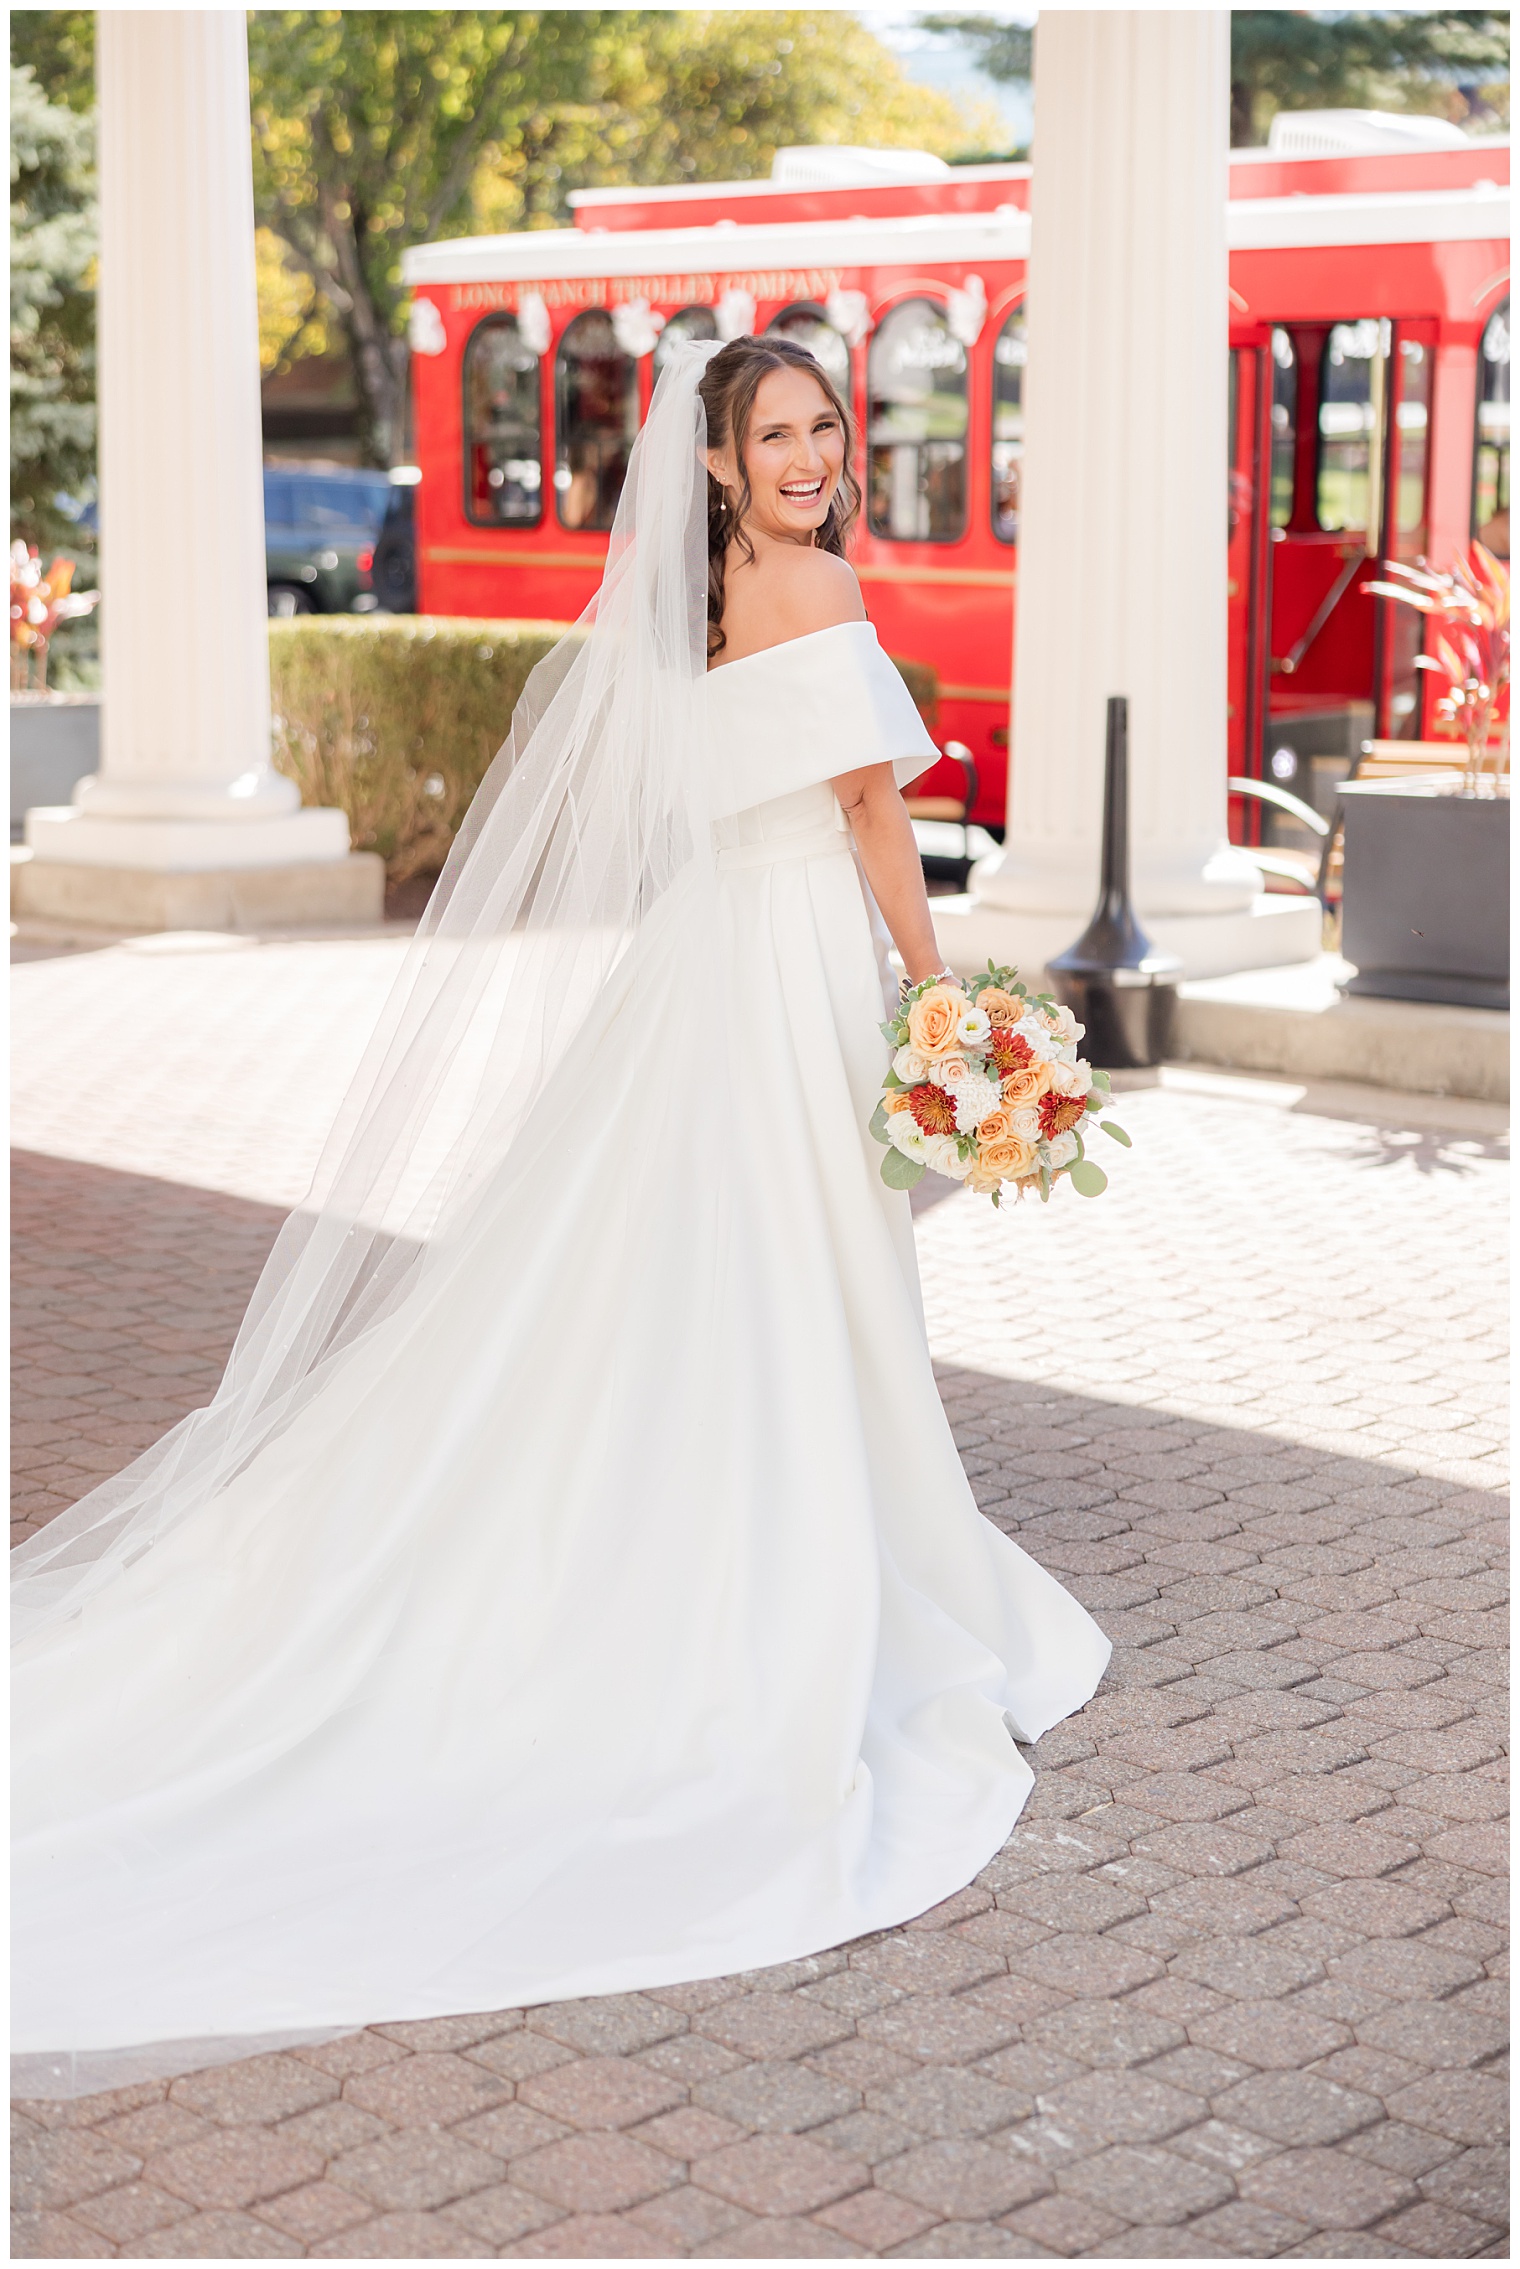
<point>394,718</point>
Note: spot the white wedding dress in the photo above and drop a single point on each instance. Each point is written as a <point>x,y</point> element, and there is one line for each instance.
<point>604,1622</point>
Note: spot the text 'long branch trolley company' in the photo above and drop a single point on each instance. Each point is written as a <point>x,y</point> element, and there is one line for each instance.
<point>1369,410</point>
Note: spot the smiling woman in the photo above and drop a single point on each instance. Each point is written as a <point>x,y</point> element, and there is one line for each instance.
<point>780,488</point>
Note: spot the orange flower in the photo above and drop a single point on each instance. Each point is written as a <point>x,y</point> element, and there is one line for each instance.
<point>1059,1113</point>
<point>1009,1050</point>
<point>932,1108</point>
<point>896,1099</point>
<point>934,1019</point>
<point>1000,1007</point>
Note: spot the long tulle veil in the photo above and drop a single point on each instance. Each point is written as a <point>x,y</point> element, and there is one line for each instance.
<point>594,812</point>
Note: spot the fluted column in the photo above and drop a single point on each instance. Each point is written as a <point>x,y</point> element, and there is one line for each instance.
<point>185,784</point>
<point>1123,531</point>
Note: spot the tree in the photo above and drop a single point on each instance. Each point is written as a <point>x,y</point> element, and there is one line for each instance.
<point>58,46</point>
<point>377,129</point>
<point>52,311</point>
<point>1451,60</point>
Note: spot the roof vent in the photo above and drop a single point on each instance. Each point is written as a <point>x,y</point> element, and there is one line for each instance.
<point>1358,133</point>
<point>830,165</point>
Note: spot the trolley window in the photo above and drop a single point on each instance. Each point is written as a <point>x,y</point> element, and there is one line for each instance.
<point>1411,419</point>
<point>1491,466</point>
<point>811,328</point>
<point>917,427</point>
<point>596,416</point>
<point>687,323</point>
<point>1009,355</point>
<point>1350,388</point>
<point>1284,426</point>
<point>503,437</point>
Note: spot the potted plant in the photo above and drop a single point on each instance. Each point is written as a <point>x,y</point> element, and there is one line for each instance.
<point>39,603</point>
<point>1425,904</point>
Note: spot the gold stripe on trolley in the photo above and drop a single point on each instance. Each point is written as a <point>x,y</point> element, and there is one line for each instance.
<point>995,578</point>
<point>500,556</point>
<point>976,693</point>
<point>444,555</point>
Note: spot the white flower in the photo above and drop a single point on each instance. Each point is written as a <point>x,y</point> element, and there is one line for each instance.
<point>1069,1079</point>
<point>974,1030</point>
<point>905,1134</point>
<point>941,1153</point>
<point>1063,1149</point>
<point>1025,1121</point>
<point>1064,1026</point>
<point>910,1066</point>
<point>1035,1030</point>
<point>974,1098</point>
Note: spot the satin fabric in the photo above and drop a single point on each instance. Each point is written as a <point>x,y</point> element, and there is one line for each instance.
<point>616,1616</point>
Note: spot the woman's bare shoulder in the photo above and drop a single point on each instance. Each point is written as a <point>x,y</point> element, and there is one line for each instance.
<point>815,590</point>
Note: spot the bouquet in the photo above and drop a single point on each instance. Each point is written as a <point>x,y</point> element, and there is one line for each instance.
<point>986,1086</point>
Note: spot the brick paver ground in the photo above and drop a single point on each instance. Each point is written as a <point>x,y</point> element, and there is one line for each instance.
<point>1234,1986</point>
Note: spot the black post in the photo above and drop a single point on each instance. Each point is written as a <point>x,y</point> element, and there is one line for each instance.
<point>1113,979</point>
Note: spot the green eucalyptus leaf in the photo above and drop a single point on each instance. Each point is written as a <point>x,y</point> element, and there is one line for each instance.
<point>1088,1180</point>
<point>900,1172</point>
<point>877,1124</point>
<point>1118,1133</point>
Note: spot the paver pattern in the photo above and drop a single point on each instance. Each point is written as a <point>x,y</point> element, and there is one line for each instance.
<point>1233,1988</point>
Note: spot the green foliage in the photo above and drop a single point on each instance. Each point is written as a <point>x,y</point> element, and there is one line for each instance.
<point>52,311</point>
<point>1453,61</point>
<point>1088,1180</point>
<point>900,1172</point>
<point>58,46</point>
<point>375,129</point>
<point>395,718</point>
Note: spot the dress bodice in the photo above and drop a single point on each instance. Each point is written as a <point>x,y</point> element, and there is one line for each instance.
<point>794,716</point>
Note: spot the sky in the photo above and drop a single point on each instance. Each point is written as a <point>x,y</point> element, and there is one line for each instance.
<point>948,64</point>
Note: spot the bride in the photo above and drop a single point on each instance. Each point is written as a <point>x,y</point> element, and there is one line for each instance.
<point>573,1585</point>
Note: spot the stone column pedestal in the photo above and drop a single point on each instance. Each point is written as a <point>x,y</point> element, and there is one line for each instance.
<point>186,824</point>
<point>1123,515</point>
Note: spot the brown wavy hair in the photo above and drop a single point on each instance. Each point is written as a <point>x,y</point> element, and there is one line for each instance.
<point>728,387</point>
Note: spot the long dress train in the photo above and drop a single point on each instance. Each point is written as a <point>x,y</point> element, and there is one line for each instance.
<point>672,1642</point>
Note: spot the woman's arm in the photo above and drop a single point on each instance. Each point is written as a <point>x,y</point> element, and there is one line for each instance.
<point>889,854</point>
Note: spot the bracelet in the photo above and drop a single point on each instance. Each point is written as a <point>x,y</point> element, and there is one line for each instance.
<point>906,985</point>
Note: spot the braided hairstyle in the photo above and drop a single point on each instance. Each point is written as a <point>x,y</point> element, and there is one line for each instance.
<point>728,387</point>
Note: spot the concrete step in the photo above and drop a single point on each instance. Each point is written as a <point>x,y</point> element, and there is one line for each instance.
<point>1296,1023</point>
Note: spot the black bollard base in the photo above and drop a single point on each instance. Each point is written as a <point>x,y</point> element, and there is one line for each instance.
<point>1129,1015</point>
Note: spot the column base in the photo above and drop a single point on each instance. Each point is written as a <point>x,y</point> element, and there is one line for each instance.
<point>72,835</point>
<point>1272,931</point>
<point>347,890</point>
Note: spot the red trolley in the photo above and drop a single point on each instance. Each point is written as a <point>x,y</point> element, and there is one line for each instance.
<point>1369,412</point>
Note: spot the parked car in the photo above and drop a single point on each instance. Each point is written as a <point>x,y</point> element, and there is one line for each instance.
<point>320,532</point>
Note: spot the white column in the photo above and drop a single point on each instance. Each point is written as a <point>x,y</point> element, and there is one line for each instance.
<point>185,786</point>
<point>1122,538</point>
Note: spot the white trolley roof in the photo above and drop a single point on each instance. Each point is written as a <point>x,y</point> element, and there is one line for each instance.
<point>897,241</point>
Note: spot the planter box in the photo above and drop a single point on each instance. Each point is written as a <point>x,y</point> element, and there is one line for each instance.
<point>1425,909</point>
<point>55,740</point>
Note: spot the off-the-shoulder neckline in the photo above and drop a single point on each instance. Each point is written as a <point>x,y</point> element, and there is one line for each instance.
<point>781,644</point>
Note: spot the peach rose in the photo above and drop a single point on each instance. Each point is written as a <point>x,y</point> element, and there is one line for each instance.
<point>1006,1159</point>
<point>1001,1007</point>
<point>950,1071</point>
<point>934,1020</point>
<point>896,1099</point>
<point>1026,1085</point>
<point>996,1127</point>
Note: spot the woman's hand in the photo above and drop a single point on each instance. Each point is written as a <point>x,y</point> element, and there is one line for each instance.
<point>883,832</point>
